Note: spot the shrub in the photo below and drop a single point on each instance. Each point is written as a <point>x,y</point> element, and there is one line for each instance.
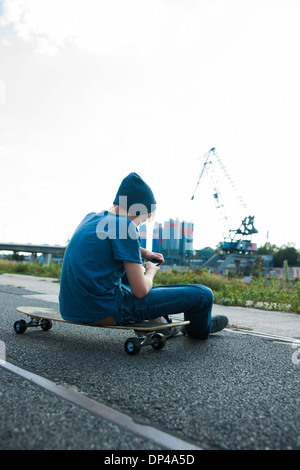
<point>264,293</point>
<point>31,269</point>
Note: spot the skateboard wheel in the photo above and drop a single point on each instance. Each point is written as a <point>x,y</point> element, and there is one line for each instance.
<point>46,324</point>
<point>132,346</point>
<point>158,341</point>
<point>20,327</point>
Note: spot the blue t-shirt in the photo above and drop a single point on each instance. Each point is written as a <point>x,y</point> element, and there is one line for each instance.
<point>90,285</point>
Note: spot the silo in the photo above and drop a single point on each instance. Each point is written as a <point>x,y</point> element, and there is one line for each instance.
<point>155,238</point>
<point>160,238</point>
<point>183,230</point>
<point>174,236</point>
<point>166,237</point>
<point>187,233</point>
<point>143,235</point>
<point>190,238</point>
<point>170,241</point>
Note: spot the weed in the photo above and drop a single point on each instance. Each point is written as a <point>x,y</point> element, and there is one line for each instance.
<point>31,269</point>
<point>264,293</point>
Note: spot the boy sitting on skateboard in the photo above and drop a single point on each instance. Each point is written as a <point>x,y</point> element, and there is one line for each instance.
<point>104,247</point>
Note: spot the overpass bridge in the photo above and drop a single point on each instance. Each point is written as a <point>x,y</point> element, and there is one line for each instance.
<point>46,250</point>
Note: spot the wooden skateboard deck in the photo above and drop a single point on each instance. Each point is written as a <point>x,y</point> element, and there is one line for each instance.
<point>147,332</point>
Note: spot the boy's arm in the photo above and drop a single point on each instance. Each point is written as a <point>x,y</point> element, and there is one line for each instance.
<point>140,282</point>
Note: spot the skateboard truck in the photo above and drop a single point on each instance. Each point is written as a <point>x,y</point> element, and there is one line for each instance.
<point>21,326</point>
<point>134,345</point>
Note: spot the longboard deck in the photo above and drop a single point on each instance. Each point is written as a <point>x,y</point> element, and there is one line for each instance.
<point>147,332</point>
<point>54,315</point>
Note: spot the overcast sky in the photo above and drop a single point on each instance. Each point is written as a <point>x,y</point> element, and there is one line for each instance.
<point>92,90</point>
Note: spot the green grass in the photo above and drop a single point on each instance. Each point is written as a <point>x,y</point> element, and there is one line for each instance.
<point>263,293</point>
<point>31,269</point>
<point>267,294</point>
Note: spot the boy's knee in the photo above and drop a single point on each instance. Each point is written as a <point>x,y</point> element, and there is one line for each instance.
<point>208,294</point>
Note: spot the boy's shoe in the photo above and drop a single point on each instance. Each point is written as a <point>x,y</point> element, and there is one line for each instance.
<point>218,323</point>
<point>170,332</point>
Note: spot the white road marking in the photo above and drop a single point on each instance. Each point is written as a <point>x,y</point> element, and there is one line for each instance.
<point>161,438</point>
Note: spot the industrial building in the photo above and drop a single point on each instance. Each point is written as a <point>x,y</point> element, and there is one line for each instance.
<point>174,239</point>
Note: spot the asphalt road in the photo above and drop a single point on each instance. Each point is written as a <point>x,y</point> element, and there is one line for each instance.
<point>233,391</point>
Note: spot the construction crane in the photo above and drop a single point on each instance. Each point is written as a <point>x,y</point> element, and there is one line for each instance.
<point>234,241</point>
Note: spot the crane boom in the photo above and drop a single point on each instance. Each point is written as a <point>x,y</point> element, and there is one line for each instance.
<point>207,156</point>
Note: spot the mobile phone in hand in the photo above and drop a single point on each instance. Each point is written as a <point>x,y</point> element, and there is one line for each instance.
<point>157,263</point>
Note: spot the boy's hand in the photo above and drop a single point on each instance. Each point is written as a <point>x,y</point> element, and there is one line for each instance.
<point>151,269</point>
<point>157,258</point>
<point>150,256</point>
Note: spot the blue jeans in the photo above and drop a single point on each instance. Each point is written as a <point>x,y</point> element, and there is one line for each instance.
<point>193,300</point>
